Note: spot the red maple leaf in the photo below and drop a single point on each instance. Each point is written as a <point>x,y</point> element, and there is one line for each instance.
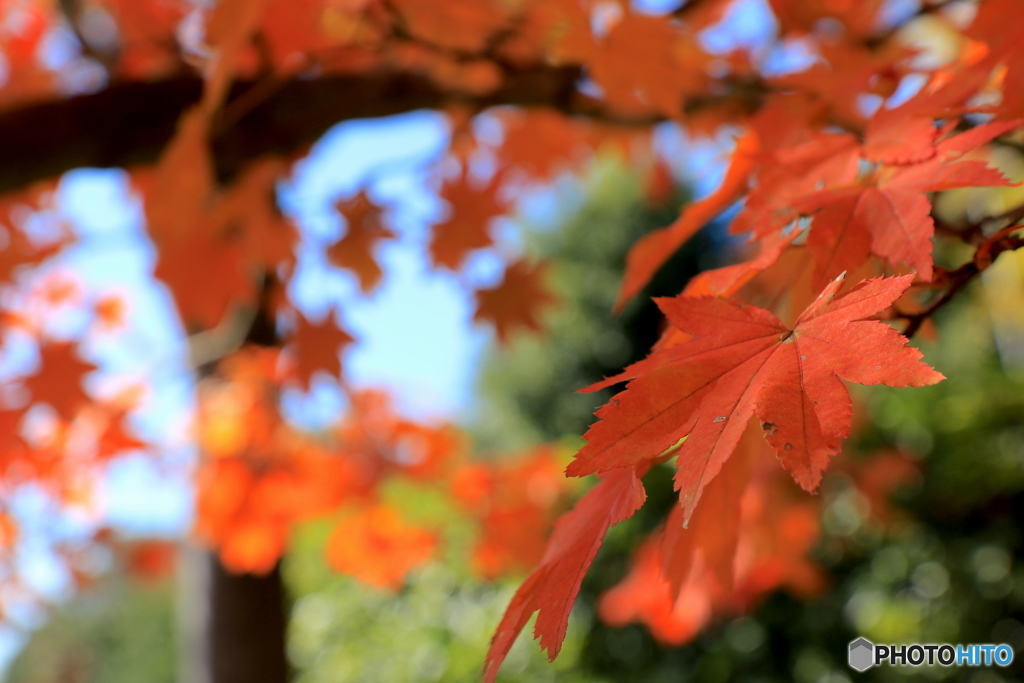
<point>541,142</point>
<point>456,25</point>
<point>379,547</point>
<point>743,361</point>
<point>890,213</point>
<point>469,219</point>
<point>355,250</point>
<point>552,587</point>
<point>117,437</point>
<point>249,208</point>
<point>516,302</point>
<point>651,252</point>
<point>317,346</point>
<point>645,596</point>
<point>645,63</point>
<point>206,274</point>
<point>892,138</point>
<point>59,380</point>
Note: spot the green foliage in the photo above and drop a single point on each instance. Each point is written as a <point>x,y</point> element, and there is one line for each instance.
<point>436,629</point>
<point>118,631</point>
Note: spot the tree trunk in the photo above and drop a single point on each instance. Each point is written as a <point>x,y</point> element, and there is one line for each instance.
<point>232,626</point>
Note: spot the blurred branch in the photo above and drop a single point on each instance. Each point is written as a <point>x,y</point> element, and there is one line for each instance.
<point>129,123</point>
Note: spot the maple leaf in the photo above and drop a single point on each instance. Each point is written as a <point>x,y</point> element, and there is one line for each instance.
<point>178,192</point>
<point>890,215</point>
<point>116,437</point>
<point>516,302</point>
<point>249,206</point>
<point>743,361</point>
<point>541,142</point>
<point>146,35</point>
<point>202,266</point>
<point>652,250</point>
<point>728,280</point>
<point>355,250</point>
<point>379,547</point>
<point>295,28</point>
<point>749,536</point>
<point>513,502</point>
<point>471,210</point>
<point>845,72</point>
<point>645,596</point>
<point>206,274</point>
<point>647,63</point>
<point>709,541</point>
<point>788,173</point>
<point>455,25</point>
<point>317,346</point>
<point>562,29</point>
<point>804,15</point>
<point>891,138</point>
<point>59,379</point>
<point>552,587</point>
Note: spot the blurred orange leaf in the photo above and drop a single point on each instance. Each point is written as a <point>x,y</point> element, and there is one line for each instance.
<point>377,546</point>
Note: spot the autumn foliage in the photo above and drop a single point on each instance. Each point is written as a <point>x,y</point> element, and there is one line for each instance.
<point>263,476</point>
<point>846,125</point>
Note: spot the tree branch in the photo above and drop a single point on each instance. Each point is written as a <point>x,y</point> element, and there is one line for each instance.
<point>956,280</point>
<point>129,123</point>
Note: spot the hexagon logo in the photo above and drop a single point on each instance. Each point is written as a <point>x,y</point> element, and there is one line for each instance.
<point>862,654</point>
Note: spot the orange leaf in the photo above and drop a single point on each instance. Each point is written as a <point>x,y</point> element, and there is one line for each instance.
<point>464,26</point>
<point>355,250</point>
<point>516,302</point>
<point>552,587</point>
<point>742,361</point>
<point>541,142</point>
<point>253,546</point>
<point>110,311</point>
<point>316,347</point>
<point>891,216</point>
<point>377,546</point>
<point>59,379</point>
<point>471,211</point>
<point>651,251</point>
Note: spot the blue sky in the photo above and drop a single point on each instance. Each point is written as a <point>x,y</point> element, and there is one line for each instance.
<point>415,333</point>
<point>416,338</point>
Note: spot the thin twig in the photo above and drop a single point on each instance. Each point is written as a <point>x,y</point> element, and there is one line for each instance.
<point>957,279</point>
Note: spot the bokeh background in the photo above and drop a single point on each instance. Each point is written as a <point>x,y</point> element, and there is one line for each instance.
<point>915,534</point>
